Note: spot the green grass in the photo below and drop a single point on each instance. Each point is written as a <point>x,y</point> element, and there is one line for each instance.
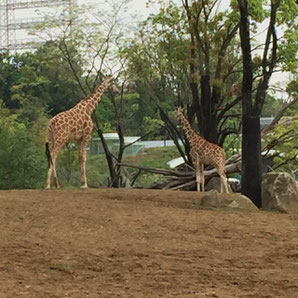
<point>97,168</point>
<point>154,157</point>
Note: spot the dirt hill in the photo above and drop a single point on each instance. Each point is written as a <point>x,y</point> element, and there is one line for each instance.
<point>137,243</point>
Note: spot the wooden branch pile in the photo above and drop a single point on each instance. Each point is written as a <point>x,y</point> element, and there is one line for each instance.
<point>185,180</point>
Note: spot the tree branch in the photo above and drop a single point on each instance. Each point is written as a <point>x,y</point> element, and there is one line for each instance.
<point>276,119</point>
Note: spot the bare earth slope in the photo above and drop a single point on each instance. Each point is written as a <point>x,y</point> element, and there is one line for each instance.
<point>137,243</point>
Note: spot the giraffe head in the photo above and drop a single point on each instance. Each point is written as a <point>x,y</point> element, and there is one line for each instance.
<point>109,81</point>
<point>180,111</point>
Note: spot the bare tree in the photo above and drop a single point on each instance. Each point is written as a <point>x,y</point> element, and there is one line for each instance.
<point>93,38</point>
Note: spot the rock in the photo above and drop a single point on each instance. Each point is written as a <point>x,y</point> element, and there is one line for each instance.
<point>214,184</point>
<point>212,199</point>
<point>280,193</point>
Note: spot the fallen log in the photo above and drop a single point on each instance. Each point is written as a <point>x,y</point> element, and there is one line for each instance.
<point>181,179</point>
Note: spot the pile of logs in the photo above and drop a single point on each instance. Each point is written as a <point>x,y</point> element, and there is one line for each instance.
<point>185,180</point>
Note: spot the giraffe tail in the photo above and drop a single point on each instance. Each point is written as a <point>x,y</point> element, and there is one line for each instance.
<point>48,154</point>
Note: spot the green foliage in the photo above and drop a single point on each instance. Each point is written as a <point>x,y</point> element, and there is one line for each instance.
<point>152,124</point>
<point>287,50</point>
<point>162,53</point>
<point>292,87</point>
<point>160,49</point>
<point>22,162</point>
<point>232,145</point>
<point>105,114</point>
<point>153,158</point>
<point>283,139</point>
<point>288,12</point>
<point>57,87</point>
<point>271,106</point>
<point>68,168</point>
<point>9,76</point>
<point>257,11</point>
<point>157,63</point>
<point>40,80</point>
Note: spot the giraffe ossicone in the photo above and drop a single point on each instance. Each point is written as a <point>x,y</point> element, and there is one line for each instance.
<point>203,153</point>
<point>74,124</point>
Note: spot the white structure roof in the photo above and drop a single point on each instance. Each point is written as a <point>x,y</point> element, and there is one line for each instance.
<point>175,162</point>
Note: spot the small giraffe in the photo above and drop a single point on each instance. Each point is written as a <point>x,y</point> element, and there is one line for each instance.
<point>203,152</point>
<point>73,125</point>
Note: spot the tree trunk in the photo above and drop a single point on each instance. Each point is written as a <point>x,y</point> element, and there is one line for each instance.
<point>208,121</point>
<point>251,133</point>
<point>251,159</point>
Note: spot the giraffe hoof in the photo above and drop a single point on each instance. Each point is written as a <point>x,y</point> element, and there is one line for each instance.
<point>84,186</point>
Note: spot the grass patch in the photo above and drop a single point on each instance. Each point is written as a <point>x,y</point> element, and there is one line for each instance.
<point>154,157</point>
<point>98,172</point>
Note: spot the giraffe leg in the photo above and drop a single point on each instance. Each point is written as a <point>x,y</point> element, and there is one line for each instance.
<point>56,182</point>
<point>198,179</point>
<point>223,183</point>
<point>82,159</point>
<point>48,183</point>
<point>197,166</point>
<point>52,170</point>
<point>202,177</point>
<point>226,188</point>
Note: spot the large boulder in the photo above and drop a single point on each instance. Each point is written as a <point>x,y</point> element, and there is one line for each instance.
<point>280,193</point>
<point>214,184</point>
<point>214,200</point>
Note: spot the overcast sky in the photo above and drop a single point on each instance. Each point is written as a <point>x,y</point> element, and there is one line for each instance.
<point>136,6</point>
<point>139,8</point>
<point>140,11</point>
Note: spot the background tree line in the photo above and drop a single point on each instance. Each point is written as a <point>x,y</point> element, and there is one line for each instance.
<point>188,54</point>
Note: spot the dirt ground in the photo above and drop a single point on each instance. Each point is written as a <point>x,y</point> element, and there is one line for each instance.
<point>141,243</point>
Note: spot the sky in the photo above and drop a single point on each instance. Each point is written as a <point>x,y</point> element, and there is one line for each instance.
<point>136,8</point>
<point>139,8</point>
<point>139,11</point>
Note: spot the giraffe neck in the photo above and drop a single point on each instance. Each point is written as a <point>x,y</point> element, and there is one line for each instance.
<point>92,101</point>
<point>191,135</point>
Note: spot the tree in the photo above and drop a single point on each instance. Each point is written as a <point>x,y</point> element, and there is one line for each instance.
<point>254,88</point>
<point>9,75</point>
<point>37,80</point>
<point>282,141</point>
<point>214,66</point>
<point>21,160</point>
<point>178,58</point>
<point>150,59</point>
<point>89,51</point>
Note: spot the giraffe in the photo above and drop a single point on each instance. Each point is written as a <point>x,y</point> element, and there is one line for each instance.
<point>74,124</point>
<point>203,153</point>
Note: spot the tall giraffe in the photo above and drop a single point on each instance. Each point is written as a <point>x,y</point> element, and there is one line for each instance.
<point>73,125</point>
<point>203,153</point>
